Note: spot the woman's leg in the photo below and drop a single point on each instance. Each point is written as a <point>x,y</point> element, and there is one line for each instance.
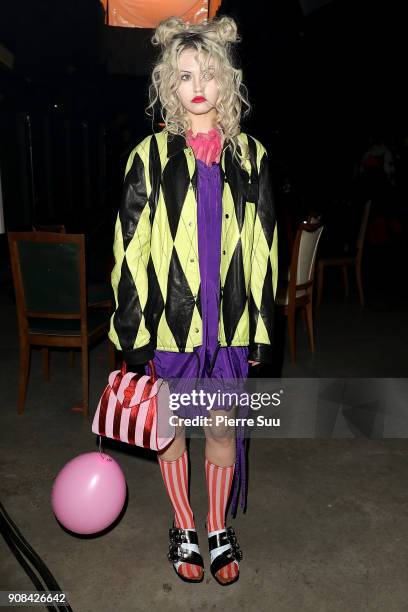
<point>177,447</point>
<point>220,453</point>
<point>173,464</point>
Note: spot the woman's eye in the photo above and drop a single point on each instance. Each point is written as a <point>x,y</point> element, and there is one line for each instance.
<point>185,77</point>
<point>207,76</point>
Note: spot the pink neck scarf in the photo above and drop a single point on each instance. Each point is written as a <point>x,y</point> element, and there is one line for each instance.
<point>206,146</point>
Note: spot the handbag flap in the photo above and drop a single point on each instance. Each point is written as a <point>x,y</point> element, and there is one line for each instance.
<point>136,390</point>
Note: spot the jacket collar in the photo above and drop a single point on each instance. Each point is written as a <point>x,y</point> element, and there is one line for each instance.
<point>177,143</point>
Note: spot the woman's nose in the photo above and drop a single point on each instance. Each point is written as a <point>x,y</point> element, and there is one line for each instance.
<point>197,84</point>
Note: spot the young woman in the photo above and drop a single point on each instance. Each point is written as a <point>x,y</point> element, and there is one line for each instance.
<point>196,265</point>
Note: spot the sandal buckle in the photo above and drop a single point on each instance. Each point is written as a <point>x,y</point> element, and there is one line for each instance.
<point>235,548</point>
<point>176,535</point>
<point>174,553</point>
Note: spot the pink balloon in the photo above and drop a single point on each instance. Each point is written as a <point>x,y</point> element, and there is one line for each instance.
<point>89,493</point>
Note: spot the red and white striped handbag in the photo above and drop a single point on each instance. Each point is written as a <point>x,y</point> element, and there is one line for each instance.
<point>135,409</point>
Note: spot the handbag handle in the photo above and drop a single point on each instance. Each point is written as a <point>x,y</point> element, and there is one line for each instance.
<point>153,375</point>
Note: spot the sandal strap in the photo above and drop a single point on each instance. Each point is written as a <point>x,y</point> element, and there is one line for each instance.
<point>217,540</point>
<point>183,547</point>
<point>223,559</point>
<point>177,535</point>
<point>229,550</point>
<point>175,556</point>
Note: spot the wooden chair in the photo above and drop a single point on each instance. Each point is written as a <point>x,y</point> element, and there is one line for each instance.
<point>100,294</point>
<point>345,262</point>
<point>296,292</point>
<point>50,285</point>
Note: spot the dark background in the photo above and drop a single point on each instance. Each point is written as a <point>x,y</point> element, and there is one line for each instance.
<point>323,77</point>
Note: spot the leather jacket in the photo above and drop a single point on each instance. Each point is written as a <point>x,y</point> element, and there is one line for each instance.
<point>156,277</point>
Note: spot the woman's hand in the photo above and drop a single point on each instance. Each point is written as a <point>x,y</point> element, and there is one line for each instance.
<point>253,362</point>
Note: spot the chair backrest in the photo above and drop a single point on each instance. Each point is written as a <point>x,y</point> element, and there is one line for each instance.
<point>304,254</point>
<point>49,274</point>
<point>363,228</point>
<point>57,229</point>
<point>315,218</point>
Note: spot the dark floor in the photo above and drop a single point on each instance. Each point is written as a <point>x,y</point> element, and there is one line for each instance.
<point>326,525</point>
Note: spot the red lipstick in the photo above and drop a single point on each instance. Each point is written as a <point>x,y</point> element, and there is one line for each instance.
<point>198,99</point>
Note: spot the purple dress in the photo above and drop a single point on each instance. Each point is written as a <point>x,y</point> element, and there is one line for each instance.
<point>230,362</point>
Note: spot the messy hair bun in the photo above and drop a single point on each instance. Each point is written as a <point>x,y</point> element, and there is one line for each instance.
<point>222,29</point>
<point>167,29</point>
<point>226,29</point>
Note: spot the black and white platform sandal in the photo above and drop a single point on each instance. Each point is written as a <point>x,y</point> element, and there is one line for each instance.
<point>224,549</point>
<point>183,548</point>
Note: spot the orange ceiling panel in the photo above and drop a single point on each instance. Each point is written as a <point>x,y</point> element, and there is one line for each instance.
<point>149,13</point>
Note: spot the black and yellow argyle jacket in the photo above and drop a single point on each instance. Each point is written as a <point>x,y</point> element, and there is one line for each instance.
<point>156,277</point>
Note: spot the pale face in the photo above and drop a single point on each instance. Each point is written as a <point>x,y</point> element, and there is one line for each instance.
<point>198,91</point>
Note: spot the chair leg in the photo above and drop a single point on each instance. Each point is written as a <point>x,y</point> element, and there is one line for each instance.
<point>23,376</point>
<point>72,358</point>
<point>309,318</point>
<point>112,356</point>
<point>292,334</point>
<point>85,380</point>
<point>303,315</point>
<point>320,274</point>
<point>359,285</point>
<point>345,279</point>
<point>46,362</point>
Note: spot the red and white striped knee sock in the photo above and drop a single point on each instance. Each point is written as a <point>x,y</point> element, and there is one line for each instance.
<point>219,482</point>
<point>175,476</point>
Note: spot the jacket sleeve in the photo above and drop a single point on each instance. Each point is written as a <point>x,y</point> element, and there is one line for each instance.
<point>264,267</point>
<point>131,249</point>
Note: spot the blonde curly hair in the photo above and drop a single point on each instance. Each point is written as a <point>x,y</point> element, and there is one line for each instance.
<point>213,41</point>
